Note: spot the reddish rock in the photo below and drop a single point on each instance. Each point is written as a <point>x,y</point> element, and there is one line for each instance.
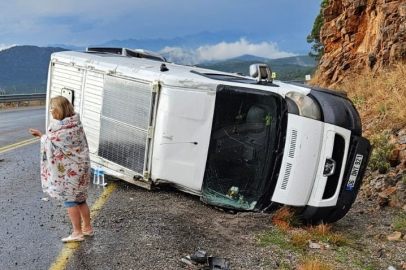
<point>402,152</point>
<point>382,182</point>
<point>393,160</point>
<point>359,34</point>
<point>401,192</point>
<point>395,236</point>
<point>384,198</point>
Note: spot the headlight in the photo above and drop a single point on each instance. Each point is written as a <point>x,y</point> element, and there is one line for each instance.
<point>307,107</point>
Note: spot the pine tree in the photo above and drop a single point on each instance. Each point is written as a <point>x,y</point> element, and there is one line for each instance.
<point>314,37</point>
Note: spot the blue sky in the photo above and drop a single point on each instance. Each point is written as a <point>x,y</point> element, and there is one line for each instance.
<point>282,24</point>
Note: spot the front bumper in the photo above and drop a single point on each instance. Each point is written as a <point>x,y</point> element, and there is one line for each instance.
<point>353,175</point>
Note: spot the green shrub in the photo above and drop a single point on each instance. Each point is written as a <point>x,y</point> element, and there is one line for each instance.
<point>358,101</point>
<point>399,223</point>
<point>383,109</point>
<point>382,151</point>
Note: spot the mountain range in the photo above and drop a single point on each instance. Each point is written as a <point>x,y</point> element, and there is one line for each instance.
<point>204,38</point>
<point>185,43</point>
<point>207,46</point>
<point>293,68</point>
<point>24,69</point>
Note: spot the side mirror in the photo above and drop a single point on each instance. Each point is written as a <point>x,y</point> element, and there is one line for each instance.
<point>261,72</point>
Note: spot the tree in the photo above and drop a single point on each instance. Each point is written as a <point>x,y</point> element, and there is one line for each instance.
<point>314,37</point>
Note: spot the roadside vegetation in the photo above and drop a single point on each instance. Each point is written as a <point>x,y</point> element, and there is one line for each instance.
<point>380,99</point>
<point>316,247</point>
<point>383,150</point>
<point>314,36</point>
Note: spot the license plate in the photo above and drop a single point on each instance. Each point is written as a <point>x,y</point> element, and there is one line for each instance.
<point>354,172</point>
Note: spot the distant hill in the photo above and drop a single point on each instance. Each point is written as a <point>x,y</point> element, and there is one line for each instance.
<point>188,41</point>
<point>287,69</point>
<point>24,69</point>
<point>192,41</point>
<point>285,41</point>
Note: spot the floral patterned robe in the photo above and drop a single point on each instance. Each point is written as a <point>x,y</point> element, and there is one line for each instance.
<point>65,161</point>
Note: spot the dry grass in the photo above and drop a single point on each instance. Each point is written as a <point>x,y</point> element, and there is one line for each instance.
<point>324,232</point>
<point>285,218</point>
<point>321,229</point>
<point>300,239</point>
<point>288,235</point>
<point>379,97</point>
<point>313,264</point>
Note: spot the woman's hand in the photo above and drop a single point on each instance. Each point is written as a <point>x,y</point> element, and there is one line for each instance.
<point>35,132</point>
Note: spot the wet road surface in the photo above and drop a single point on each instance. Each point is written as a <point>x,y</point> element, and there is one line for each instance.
<point>30,228</point>
<point>14,123</point>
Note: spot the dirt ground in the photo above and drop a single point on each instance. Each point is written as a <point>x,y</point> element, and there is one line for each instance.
<point>156,229</point>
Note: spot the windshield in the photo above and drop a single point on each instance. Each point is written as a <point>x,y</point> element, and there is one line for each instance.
<point>245,136</point>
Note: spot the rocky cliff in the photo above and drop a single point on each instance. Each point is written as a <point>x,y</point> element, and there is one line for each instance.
<point>361,34</point>
<point>368,35</point>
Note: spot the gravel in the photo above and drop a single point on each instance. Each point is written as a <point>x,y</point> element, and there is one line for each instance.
<point>141,229</point>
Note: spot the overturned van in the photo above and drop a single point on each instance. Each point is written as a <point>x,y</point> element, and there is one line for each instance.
<point>238,142</point>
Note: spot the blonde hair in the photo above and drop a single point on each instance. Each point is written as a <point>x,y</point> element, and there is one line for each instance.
<point>62,106</point>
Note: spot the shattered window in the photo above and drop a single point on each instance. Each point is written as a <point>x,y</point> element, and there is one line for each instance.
<point>241,147</point>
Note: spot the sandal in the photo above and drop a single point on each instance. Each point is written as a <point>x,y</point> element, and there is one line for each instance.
<point>71,238</point>
<point>85,233</point>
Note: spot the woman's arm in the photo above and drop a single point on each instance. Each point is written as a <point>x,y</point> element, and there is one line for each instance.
<point>35,132</point>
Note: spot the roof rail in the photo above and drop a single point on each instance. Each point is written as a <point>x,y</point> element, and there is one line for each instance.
<point>138,53</point>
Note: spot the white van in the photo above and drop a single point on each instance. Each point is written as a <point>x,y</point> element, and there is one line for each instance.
<point>238,142</point>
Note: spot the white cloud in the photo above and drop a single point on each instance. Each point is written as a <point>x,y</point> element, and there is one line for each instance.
<point>229,50</point>
<point>5,47</point>
<point>180,56</point>
<point>223,51</point>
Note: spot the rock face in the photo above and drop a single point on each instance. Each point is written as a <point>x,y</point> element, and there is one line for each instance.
<point>361,34</point>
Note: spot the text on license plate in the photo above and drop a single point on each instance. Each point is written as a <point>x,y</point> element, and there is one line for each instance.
<point>354,172</point>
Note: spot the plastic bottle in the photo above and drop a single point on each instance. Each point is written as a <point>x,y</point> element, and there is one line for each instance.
<point>101,176</point>
<point>186,261</point>
<point>96,176</point>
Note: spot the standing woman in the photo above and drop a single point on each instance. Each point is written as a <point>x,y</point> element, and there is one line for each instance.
<point>65,165</point>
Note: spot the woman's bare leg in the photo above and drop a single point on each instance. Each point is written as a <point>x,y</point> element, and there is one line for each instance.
<point>85,214</point>
<point>75,218</point>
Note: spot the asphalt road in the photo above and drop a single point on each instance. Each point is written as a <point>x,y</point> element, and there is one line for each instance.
<point>14,123</point>
<point>24,240</point>
<point>30,228</point>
